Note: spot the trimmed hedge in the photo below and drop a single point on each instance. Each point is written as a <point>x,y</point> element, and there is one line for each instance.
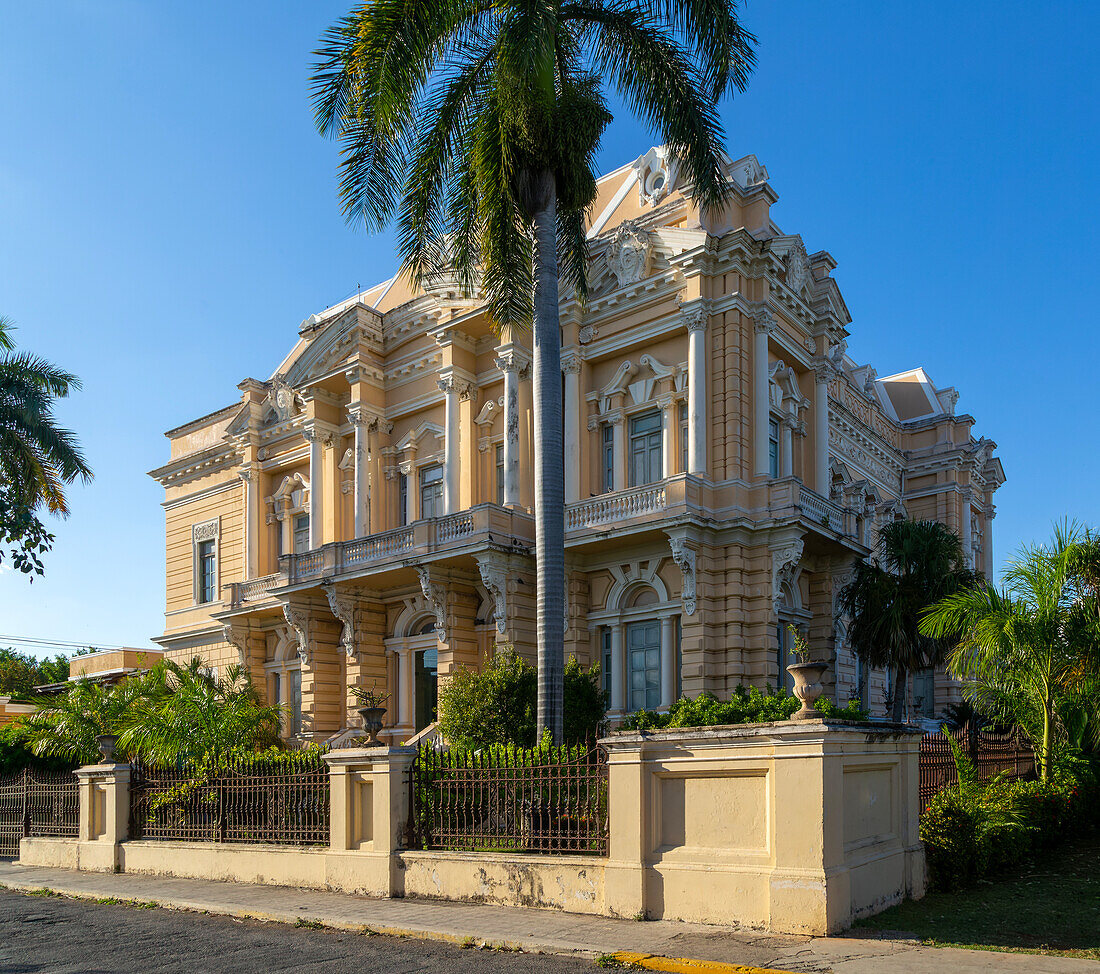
<point>973,830</point>
<point>747,706</point>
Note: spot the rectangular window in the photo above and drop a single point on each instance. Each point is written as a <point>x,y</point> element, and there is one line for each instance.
<point>605,646</point>
<point>773,450</point>
<point>208,570</point>
<point>643,642</point>
<point>403,499</point>
<point>924,692</point>
<point>431,491</point>
<point>301,533</point>
<point>500,474</point>
<point>276,688</point>
<point>683,437</point>
<point>645,449</point>
<point>608,447</point>
<point>295,702</point>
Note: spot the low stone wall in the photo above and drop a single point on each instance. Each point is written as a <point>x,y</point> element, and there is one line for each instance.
<point>797,827</point>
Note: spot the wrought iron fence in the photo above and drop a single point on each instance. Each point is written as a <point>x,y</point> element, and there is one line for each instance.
<point>282,801</point>
<point>544,800</point>
<point>37,803</point>
<point>992,753</point>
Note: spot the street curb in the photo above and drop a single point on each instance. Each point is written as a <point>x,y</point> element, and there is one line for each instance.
<point>653,962</point>
<point>687,965</point>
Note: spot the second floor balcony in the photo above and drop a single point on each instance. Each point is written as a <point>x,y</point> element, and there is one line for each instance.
<point>649,508</point>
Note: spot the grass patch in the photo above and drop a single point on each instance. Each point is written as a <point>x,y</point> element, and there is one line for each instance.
<point>1051,905</point>
<point>611,961</point>
<point>303,923</point>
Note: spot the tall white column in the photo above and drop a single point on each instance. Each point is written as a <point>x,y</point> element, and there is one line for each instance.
<point>668,435</point>
<point>668,661</point>
<point>360,484</point>
<point>618,451</point>
<point>786,447</point>
<point>451,471</point>
<point>508,363</point>
<point>822,374</point>
<point>250,476</point>
<point>571,366</point>
<point>696,321</point>
<point>404,688</point>
<point>764,323</point>
<point>618,665</point>
<point>316,487</point>
<point>967,529</point>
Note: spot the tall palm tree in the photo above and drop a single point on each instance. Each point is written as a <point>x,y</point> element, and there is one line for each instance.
<point>477,123</point>
<point>1014,648</point>
<point>917,564</point>
<point>37,457</point>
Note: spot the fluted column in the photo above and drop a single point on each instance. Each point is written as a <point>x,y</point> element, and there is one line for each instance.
<point>316,439</point>
<point>822,374</point>
<point>668,661</point>
<point>360,482</point>
<point>250,476</point>
<point>668,434</point>
<point>764,324</point>
<point>695,319</point>
<point>509,364</point>
<point>571,366</point>
<point>786,447</point>
<point>988,545</point>
<point>450,387</point>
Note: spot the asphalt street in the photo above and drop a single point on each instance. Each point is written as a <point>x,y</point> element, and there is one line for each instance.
<point>55,935</point>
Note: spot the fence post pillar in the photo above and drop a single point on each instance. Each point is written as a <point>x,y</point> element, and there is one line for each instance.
<point>104,815</point>
<point>629,837</point>
<point>369,796</point>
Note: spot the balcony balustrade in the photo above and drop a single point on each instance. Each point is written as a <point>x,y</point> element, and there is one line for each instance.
<point>791,495</point>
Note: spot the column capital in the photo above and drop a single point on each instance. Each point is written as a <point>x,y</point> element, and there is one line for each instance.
<point>823,371</point>
<point>695,315</point>
<point>764,320</point>
<point>666,401</point>
<point>571,363</point>
<point>512,358</point>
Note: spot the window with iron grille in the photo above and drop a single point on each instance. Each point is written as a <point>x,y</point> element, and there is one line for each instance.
<point>645,449</point>
<point>208,570</point>
<point>431,491</point>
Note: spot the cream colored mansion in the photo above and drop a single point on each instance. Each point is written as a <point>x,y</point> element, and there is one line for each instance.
<point>363,516</point>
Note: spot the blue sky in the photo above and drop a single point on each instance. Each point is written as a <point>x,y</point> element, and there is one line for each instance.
<point>168,216</point>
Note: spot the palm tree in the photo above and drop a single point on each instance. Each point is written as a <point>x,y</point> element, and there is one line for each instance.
<point>477,123</point>
<point>37,457</point>
<point>199,718</point>
<point>1014,648</point>
<point>67,726</point>
<point>917,564</point>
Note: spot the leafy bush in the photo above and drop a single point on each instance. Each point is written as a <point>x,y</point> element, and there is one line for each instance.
<point>975,829</point>
<point>16,753</point>
<point>748,705</point>
<point>498,704</point>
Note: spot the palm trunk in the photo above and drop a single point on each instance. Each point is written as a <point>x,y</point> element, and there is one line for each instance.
<point>1048,730</point>
<point>549,470</point>
<point>901,685</point>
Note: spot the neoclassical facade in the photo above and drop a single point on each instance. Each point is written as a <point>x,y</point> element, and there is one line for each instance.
<point>363,516</point>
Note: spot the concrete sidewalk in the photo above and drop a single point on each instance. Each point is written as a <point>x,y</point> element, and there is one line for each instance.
<point>535,930</point>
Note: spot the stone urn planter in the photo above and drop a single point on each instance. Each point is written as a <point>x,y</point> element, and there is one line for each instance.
<point>107,744</point>
<point>372,723</point>
<point>807,687</point>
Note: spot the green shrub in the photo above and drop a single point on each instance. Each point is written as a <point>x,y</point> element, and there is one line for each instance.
<point>976,829</point>
<point>498,704</point>
<point>748,705</point>
<point>16,754</point>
